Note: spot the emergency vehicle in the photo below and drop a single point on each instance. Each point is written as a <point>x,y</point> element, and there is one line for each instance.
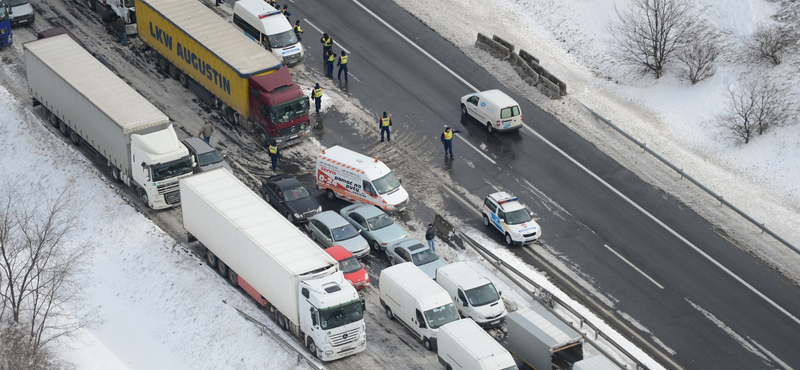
<point>504,212</point>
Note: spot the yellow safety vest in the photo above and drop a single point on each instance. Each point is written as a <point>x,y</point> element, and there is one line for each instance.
<point>297,29</point>
<point>326,42</point>
<point>385,121</point>
<point>331,58</point>
<point>448,135</point>
<point>273,149</point>
<point>318,93</point>
<point>343,59</point>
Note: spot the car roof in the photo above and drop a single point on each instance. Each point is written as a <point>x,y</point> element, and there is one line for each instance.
<point>330,219</point>
<point>198,145</point>
<point>288,183</point>
<point>405,243</point>
<point>366,210</point>
<point>506,201</point>
<point>338,252</point>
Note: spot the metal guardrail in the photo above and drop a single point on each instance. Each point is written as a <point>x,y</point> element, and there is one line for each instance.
<point>694,181</point>
<point>301,355</point>
<point>449,233</point>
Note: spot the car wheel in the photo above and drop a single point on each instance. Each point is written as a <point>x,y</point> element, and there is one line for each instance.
<point>508,239</point>
<point>313,236</point>
<point>463,110</point>
<point>289,216</point>
<point>330,194</point>
<point>389,313</point>
<point>392,261</point>
<point>266,197</point>
<point>485,220</point>
<point>427,343</point>
<point>489,127</point>
<point>375,246</point>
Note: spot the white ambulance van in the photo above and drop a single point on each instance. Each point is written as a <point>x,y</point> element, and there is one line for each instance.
<point>474,295</point>
<point>269,28</point>
<point>354,177</point>
<point>463,345</point>
<point>416,301</point>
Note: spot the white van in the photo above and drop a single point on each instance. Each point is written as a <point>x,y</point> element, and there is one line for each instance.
<point>473,294</point>
<point>410,296</point>
<point>463,345</point>
<point>494,109</point>
<point>269,28</point>
<point>343,173</point>
<point>20,12</point>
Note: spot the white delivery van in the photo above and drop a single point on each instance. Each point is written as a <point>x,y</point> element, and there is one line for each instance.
<point>20,12</point>
<point>473,294</point>
<point>343,173</point>
<point>269,28</point>
<point>410,296</point>
<point>494,109</point>
<point>464,345</point>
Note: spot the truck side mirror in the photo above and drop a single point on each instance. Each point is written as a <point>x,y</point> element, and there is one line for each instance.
<point>422,324</point>
<point>313,316</point>
<point>464,303</point>
<point>363,304</point>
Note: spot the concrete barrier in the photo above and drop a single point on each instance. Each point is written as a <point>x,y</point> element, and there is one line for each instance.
<point>525,72</point>
<point>528,57</point>
<point>446,231</point>
<point>494,48</point>
<point>526,65</point>
<point>505,43</point>
<point>549,89</point>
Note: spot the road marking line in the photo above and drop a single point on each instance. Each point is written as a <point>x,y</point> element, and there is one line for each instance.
<point>320,31</point>
<point>634,267</point>
<point>476,149</point>
<point>673,232</point>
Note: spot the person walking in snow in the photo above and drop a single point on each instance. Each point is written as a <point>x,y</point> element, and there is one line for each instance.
<point>430,235</point>
<point>207,131</point>
<point>316,94</point>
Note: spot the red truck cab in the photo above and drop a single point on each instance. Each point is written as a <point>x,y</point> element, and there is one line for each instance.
<point>278,108</point>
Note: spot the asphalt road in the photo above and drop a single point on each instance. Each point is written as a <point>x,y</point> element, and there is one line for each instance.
<point>693,305</point>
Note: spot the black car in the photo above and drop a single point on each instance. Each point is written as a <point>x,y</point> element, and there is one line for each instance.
<point>289,197</point>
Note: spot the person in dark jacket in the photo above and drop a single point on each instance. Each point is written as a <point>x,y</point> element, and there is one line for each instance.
<point>123,34</point>
<point>329,61</point>
<point>430,235</point>
<point>447,140</point>
<point>316,94</point>
<point>274,154</point>
<point>286,13</point>
<point>327,46</point>
<point>110,20</point>
<point>384,123</point>
<point>297,30</point>
<point>342,64</point>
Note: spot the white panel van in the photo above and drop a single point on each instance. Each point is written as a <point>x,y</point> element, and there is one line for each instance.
<point>494,109</point>
<point>354,177</point>
<point>473,294</point>
<point>269,28</point>
<point>410,296</point>
<point>463,345</point>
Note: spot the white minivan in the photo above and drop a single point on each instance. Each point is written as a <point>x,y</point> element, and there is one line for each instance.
<point>463,345</point>
<point>494,109</point>
<point>410,296</point>
<point>269,28</point>
<point>473,294</point>
<point>20,12</point>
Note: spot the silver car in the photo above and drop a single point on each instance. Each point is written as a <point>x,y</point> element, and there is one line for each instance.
<point>329,229</point>
<point>374,225</point>
<point>417,252</point>
<point>204,156</point>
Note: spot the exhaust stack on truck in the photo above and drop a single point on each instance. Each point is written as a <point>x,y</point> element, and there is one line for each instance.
<point>94,107</point>
<point>255,247</point>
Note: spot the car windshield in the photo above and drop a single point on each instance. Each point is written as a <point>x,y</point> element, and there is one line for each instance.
<point>13,3</point>
<point>171,169</point>
<point>349,265</point>
<point>379,222</point>
<point>343,314</point>
<point>211,157</point>
<point>295,194</point>
<point>288,111</point>
<point>283,39</point>
<point>343,233</point>
<point>441,315</point>
<point>509,112</point>
<point>482,295</point>
<point>386,184</point>
<point>424,257</point>
<point>518,217</point>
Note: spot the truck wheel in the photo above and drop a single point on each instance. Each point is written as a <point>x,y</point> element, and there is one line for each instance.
<point>230,115</point>
<point>52,118</point>
<point>508,239</point>
<point>485,220</point>
<point>173,71</point>
<point>76,139</point>
<point>262,136</point>
<point>489,127</point>
<point>222,268</point>
<point>143,197</point>
<point>463,110</point>
<point>115,174</point>
<point>448,367</point>
<point>91,4</point>
<point>63,128</point>
<point>282,321</point>
<point>211,259</point>
<point>389,313</point>
<point>162,64</point>
<point>427,343</point>
<point>184,79</point>
<point>233,277</point>
<point>330,194</point>
<point>312,347</point>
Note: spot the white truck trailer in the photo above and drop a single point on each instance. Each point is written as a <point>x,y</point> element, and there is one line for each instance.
<point>256,248</point>
<point>91,105</point>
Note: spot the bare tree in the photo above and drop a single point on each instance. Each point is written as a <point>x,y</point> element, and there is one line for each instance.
<point>698,56</point>
<point>651,31</point>
<point>39,271</point>
<point>754,107</point>
<point>771,42</point>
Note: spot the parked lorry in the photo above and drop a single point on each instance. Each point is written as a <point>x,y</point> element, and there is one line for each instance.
<point>541,340</point>
<point>124,9</point>
<point>91,105</point>
<point>6,36</point>
<point>225,68</point>
<point>256,248</point>
<point>463,345</point>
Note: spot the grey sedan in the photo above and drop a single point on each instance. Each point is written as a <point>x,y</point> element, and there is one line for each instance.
<point>374,225</point>
<point>413,250</point>
<point>329,229</point>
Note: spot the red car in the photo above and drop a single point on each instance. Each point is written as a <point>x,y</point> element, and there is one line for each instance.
<point>352,269</point>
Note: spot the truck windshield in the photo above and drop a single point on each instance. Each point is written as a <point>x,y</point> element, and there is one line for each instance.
<point>386,184</point>
<point>13,3</point>
<point>3,13</point>
<point>283,39</point>
<point>342,314</point>
<point>482,295</point>
<point>344,232</point>
<point>518,217</point>
<point>175,168</point>
<point>286,112</point>
<point>441,315</point>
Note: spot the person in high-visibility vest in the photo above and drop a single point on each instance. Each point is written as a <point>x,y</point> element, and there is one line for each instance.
<point>327,45</point>
<point>297,30</point>
<point>384,123</point>
<point>330,60</point>
<point>274,154</point>
<point>286,13</point>
<point>342,63</point>
<point>447,140</point>
<point>316,94</point>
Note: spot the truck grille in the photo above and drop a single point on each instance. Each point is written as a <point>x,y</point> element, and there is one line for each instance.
<point>345,338</point>
<point>173,197</point>
<point>171,192</point>
<point>292,131</point>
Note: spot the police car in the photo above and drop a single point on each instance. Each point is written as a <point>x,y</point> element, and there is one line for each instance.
<point>504,212</point>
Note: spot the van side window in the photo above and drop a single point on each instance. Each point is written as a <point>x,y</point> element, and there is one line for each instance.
<point>461,296</point>
<point>368,188</point>
<point>249,30</point>
<point>473,100</point>
<point>501,214</point>
<point>420,319</point>
<point>509,112</point>
<point>489,204</point>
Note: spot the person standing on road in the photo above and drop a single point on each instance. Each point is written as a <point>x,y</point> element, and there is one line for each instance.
<point>207,131</point>
<point>329,61</point>
<point>123,34</point>
<point>327,45</point>
<point>219,2</point>
<point>274,154</point>
<point>447,140</point>
<point>316,94</point>
<point>430,235</point>
<point>297,30</point>
<point>342,64</point>
<point>286,12</point>
<point>384,123</point>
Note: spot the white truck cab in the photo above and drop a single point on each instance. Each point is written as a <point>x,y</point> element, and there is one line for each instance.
<point>494,109</point>
<point>269,28</point>
<point>473,294</point>
<point>505,213</point>
<point>158,162</point>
